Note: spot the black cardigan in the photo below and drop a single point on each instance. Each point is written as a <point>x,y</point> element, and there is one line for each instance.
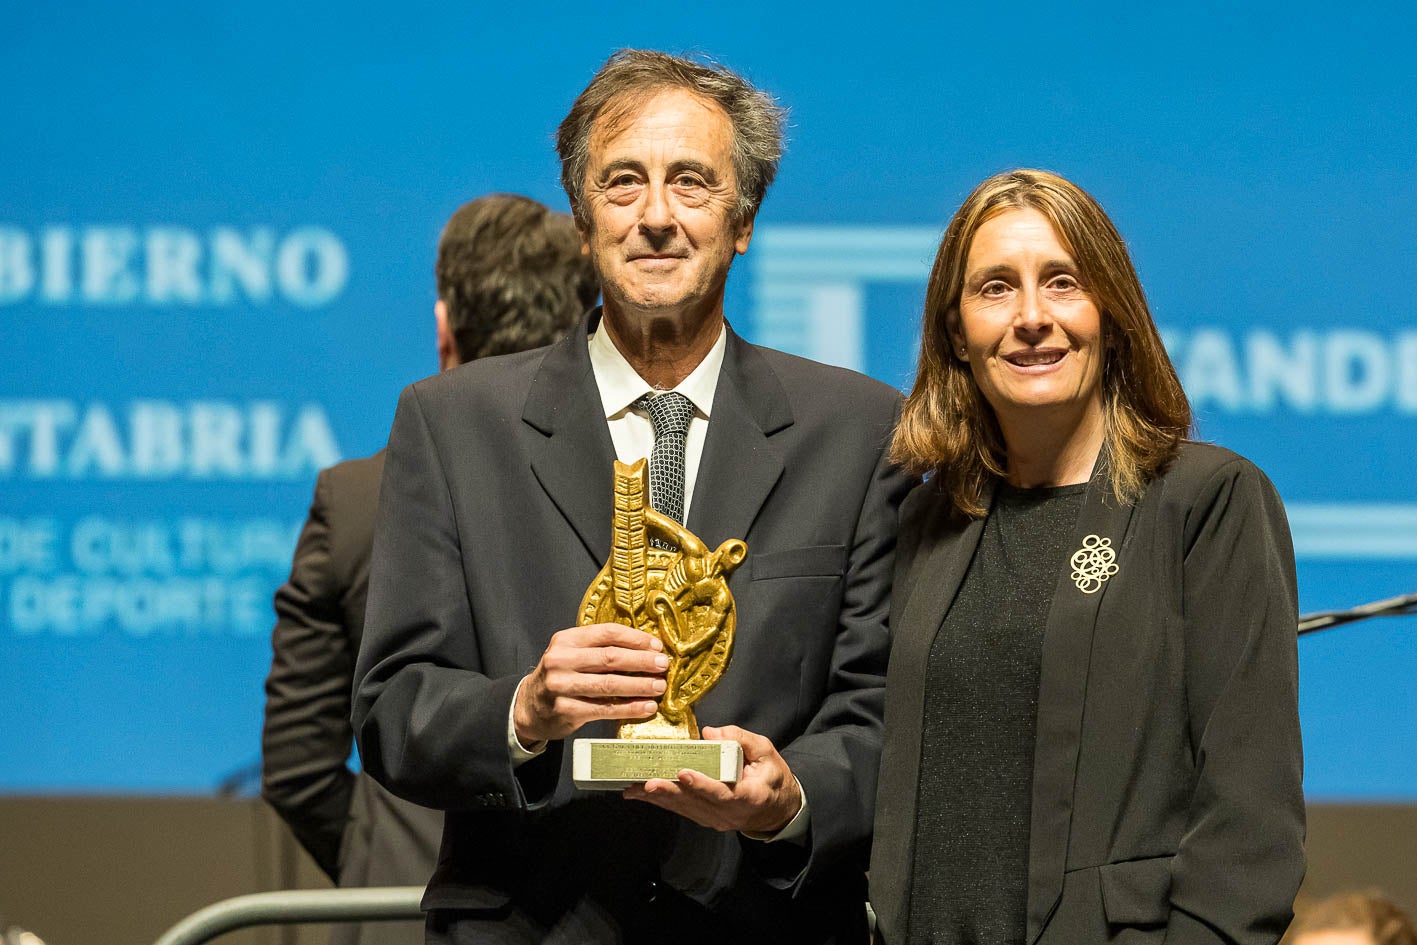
<point>1167,776</point>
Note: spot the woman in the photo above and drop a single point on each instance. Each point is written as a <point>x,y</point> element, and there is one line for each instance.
<point>1092,731</point>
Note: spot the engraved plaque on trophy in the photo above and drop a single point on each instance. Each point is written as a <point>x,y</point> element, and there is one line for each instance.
<point>663,580</point>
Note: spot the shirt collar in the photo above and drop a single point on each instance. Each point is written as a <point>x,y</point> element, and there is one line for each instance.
<point>620,386</point>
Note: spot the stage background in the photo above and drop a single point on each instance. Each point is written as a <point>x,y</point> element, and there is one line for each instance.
<point>217,228</point>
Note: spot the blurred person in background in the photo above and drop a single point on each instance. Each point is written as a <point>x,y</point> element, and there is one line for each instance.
<point>1352,919</point>
<point>510,277</point>
<point>1092,725</point>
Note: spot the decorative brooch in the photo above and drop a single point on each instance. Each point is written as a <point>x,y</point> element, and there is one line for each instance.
<point>1093,564</point>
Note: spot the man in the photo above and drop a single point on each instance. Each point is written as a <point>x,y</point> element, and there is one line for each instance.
<point>495,515</point>
<point>510,276</point>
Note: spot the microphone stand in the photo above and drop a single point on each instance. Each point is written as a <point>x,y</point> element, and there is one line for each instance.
<point>1392,607</point>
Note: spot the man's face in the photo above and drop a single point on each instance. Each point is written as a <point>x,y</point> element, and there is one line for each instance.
<point>660,192</point>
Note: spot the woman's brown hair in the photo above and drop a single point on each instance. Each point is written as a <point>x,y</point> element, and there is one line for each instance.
<point>948,429</point>
<point>1384,922</point>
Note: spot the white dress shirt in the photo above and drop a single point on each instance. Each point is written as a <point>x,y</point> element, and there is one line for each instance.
<point>630,427</point>
<point>633,436</point>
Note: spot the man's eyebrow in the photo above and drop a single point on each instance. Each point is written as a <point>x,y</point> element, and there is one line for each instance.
<point>617,165</point>
<point>698,167</point>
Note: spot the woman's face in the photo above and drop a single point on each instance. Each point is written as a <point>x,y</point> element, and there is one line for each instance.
<point>1028,327</point>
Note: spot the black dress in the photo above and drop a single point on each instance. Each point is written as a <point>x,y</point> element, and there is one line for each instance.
<point>970,876</point>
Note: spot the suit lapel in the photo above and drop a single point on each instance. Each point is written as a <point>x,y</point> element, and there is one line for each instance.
<point>572,454</point>
<point>740,465</point>
<point>1062,689</point>
<point>936,579</point>
<point>917,612</point>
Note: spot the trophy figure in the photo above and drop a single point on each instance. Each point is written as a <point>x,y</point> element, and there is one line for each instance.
<point>665,581</point>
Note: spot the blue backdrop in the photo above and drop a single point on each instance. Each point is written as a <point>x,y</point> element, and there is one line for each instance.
<point>217,228</point>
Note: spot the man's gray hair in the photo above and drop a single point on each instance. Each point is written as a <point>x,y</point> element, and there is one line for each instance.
<point>632,76</point>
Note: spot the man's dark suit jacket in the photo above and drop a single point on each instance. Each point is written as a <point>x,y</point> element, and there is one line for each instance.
<point>1167,803</point>
<point>495,516</point>
<point>359,833</point>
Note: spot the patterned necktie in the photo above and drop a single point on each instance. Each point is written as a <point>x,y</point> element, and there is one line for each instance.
<point>670,413</point>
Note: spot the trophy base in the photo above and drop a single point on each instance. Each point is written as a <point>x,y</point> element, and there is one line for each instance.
<point>613,764</point>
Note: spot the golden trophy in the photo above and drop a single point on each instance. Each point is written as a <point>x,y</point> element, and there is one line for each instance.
<point>665,581</point>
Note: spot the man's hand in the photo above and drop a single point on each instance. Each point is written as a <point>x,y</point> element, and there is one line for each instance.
<point>764,800</point>
<point>603,671</point>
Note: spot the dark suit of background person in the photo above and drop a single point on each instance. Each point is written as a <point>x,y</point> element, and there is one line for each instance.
<point>1166,800</point>
<point>495,516</point>
<point>359,833</point>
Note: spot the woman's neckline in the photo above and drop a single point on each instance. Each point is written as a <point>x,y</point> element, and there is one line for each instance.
<point>1008,490</point>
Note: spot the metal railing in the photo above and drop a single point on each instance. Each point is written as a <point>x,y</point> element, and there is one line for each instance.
<point>295,906</point>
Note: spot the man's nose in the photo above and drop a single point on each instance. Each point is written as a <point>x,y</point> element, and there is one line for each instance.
<point>656,215</point>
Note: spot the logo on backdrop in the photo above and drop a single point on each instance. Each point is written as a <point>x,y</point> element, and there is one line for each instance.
<point>171,265</point>
<point>809,290</point>
<point>204,440</point>
<point>150,576</point>
<point>809,286</point>
<point>194,570</point>
<point>142,577</point>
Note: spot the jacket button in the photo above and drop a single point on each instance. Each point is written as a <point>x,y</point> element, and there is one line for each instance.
<point>651,890</point>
